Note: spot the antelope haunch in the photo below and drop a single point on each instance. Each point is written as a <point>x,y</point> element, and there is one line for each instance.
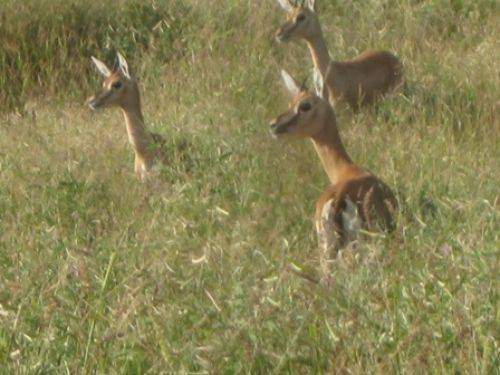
<point>358,81</point>
<point>120,89</point>
<point>356,199</point>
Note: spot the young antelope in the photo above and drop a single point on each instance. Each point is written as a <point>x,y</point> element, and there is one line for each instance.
<point>356,198</point>
<point>358,82</point>
<point>120,89</point>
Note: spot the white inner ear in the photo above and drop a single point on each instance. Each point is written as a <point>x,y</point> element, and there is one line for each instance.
<point>285,4</point>
<point>291,85</point>
<point>310,4</point>
<point>318,82</point>
<point>101,67</point>
<point>122,65</point>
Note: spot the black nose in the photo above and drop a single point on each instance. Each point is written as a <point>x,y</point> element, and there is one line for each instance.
<point>276,128</point>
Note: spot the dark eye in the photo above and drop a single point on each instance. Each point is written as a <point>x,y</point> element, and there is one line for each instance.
<point>301,17</point>
<point>116,85</point>
<point>304,107</point>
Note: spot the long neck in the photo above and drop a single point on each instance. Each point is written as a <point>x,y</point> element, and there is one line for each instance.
<point>330,149</point>
<point>138,136</point>
<point>319,51</point>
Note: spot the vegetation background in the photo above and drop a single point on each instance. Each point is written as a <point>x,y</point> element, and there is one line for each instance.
<point>199,271</point>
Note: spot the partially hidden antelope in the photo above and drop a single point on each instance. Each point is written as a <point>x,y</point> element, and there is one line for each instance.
<point>358,82</point>
<point>356,199</point>
<point>120,89</point>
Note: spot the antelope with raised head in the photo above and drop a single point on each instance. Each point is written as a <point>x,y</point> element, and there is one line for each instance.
<point>356,199</point>
<point>358,82</point>
<point>120,89</point>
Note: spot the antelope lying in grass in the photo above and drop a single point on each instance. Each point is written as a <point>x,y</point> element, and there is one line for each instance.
<point>358,81</point>
<point>120,89</point>
<point>356,199</point>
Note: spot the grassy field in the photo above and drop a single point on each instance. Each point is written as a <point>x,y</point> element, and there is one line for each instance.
<point>196,271</point>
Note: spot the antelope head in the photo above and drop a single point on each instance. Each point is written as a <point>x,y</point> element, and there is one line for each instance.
<point>301,21</point>
<point>118,88</point>
<point>307,114</point>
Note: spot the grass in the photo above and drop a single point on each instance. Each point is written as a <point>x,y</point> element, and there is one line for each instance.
<point>193,272</point>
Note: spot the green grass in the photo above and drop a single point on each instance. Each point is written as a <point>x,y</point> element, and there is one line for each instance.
<point>193,271</point>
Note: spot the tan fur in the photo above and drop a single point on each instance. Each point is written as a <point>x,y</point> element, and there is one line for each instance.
<point>359,81</point>
<point>373,199</point>
<point>147,146</point>
<point>363,80</point>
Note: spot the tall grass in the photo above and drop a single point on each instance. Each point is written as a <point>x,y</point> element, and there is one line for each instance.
<point>196,271</point>
<point>46,44</point>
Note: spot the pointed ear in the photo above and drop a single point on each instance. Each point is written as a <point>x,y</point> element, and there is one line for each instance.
<point>285,5</point>
<point>101,67</point>
<point>291,85</point>
<point>122,65</point>
<point>318,83</point>
<point>310,4</point>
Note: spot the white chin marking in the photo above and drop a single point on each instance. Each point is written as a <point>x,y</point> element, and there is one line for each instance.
<point>351,222</point>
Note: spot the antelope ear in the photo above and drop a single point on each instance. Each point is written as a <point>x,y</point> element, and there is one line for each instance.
<point>101,67</point>
<point>285,5</point>
<point>122,65</point>
<point>318,83</point>
<point>291,85</point>
<point>310,4</point>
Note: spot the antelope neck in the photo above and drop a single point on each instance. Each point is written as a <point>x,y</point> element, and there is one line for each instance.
<point>319,52</point>
<point>331,151</point>
<point>138,136</point>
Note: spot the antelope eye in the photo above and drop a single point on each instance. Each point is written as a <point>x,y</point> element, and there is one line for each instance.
<point>304,107</point>
<point>301,17</point>
<point>116,85</point>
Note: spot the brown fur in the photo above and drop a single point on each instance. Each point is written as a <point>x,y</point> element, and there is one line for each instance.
<point>147,146</point>
<point>360,81</point>
<point>373,199</point>
<point>365,79</point>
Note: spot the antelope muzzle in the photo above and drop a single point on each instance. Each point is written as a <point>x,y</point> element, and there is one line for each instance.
<point>282,124</point>
<point>98,100</point>
<point>283,33</point>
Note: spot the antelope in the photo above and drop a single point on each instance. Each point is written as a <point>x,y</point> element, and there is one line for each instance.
<point>356,199</point>
<point>358,82</point>
<point>120,89</point>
